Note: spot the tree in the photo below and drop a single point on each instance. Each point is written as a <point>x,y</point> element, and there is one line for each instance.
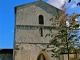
<point>67,37</point>
<point>78,4</point>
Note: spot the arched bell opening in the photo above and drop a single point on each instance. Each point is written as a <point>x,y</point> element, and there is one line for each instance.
<point>41,19</point>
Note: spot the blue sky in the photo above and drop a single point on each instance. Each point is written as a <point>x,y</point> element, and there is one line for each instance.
<point>7,18</point>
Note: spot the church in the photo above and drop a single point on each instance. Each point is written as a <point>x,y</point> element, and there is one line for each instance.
<point>32,23</point>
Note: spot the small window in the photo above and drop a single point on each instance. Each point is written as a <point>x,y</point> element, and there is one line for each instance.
<point>41,20</point>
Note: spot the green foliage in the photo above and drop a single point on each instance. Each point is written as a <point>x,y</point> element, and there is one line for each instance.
<point>78,4</point>
<point>64,41</point>
<point>69,1</point>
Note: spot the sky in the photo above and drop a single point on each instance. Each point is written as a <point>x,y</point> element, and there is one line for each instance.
<point>7,17</point>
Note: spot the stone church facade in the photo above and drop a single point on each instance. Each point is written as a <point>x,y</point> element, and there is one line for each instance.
<point>32,23</point>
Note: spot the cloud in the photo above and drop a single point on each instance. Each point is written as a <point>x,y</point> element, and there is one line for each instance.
<point>67,23</point>
<point>56,3</point>
<point>76,1</point>
<point>76,19</point>
<point>73,5</point>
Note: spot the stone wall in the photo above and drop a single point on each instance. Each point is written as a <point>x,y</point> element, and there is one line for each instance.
<point>28,40</point>
<point>29,15</point>
<point>31,52</point>
<point>6,56</point>
<point>31,34</point>
<point>71,56</point>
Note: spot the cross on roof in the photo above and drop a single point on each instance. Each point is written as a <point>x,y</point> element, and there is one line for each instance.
<point>39,0</point>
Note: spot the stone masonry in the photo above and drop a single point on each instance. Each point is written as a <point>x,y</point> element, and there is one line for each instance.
<point>28,42</point>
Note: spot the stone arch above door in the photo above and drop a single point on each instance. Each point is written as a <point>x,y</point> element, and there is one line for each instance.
<point>42,56</point>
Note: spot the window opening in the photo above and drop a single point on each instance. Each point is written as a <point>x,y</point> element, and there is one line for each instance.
<point>41,20</point>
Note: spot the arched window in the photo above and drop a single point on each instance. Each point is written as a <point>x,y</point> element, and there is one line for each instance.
<point>41,19</point>
<point>41,57</point>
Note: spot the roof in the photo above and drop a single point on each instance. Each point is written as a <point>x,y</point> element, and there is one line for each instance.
<point>5,51</point>
<point>39,4</point>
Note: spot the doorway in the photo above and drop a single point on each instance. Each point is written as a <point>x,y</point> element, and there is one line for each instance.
<point>41,57</point>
